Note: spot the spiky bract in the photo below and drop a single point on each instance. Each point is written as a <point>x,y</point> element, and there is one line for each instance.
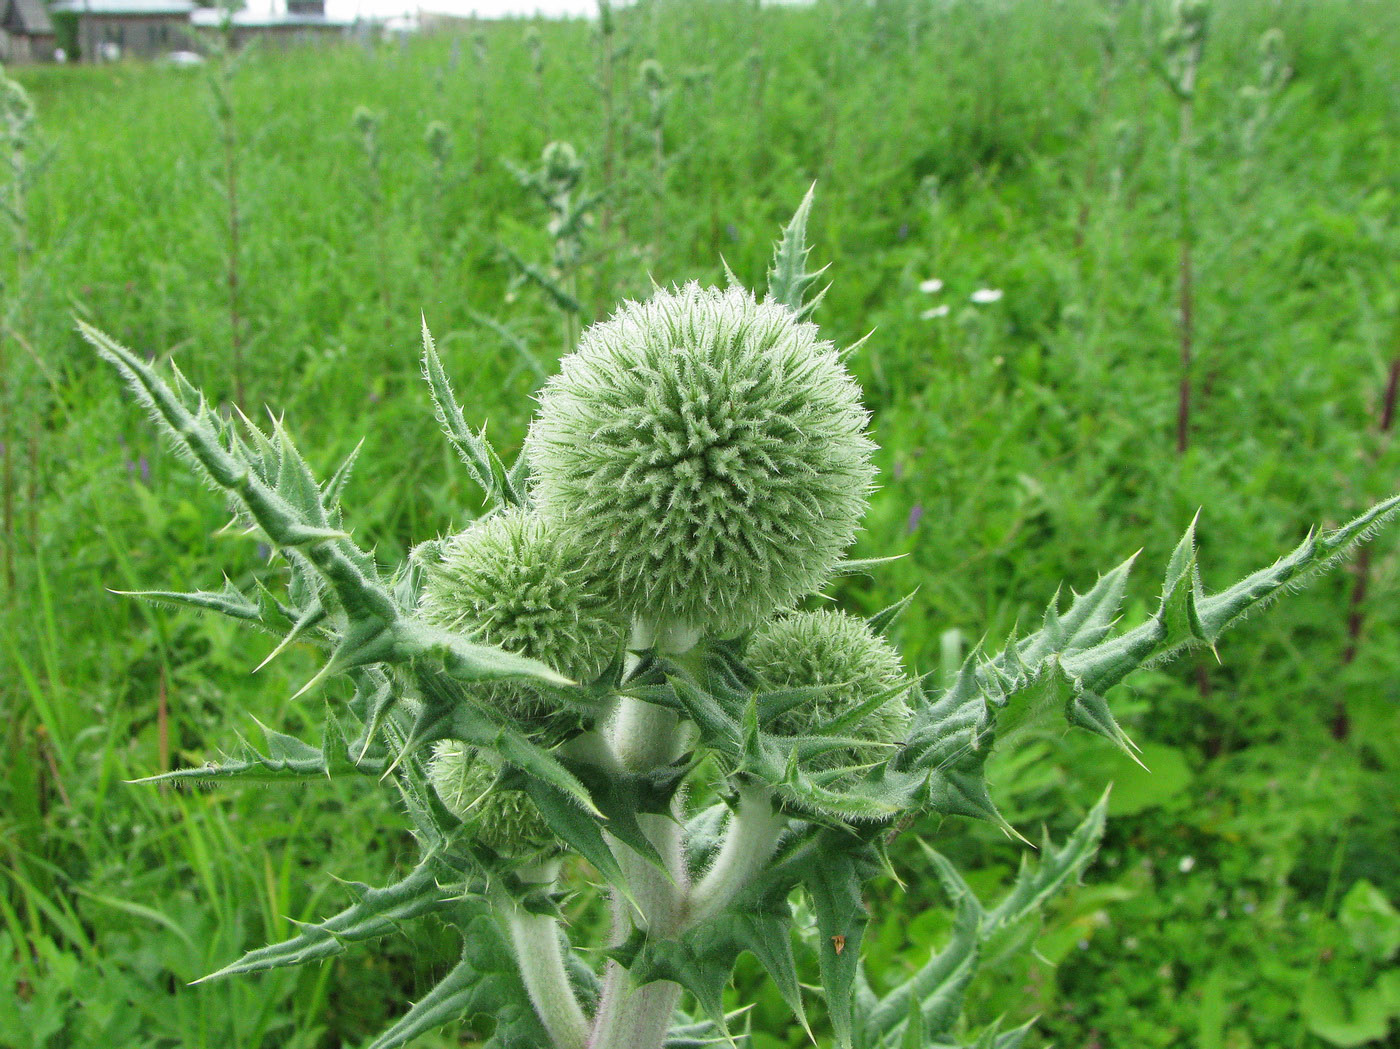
<point>710,453</point>
<point>506,821</point>
<point>517,581</point>
<point>812,649</point>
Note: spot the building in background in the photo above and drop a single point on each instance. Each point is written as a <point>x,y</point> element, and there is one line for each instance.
<point>107,30</point>
<point>26,31</point>
<point>300,21</point>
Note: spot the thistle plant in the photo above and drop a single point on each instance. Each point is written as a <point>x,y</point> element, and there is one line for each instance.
<point>657,90</point>
<point>610,678</point>
<point>220,77</point>
<point>367,124</point>
<point>16,175</point>
<point>1183,43</point>
<point>1259,100</point>
<point>558,184</point>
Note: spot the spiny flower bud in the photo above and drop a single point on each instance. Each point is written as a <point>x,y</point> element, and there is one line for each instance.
<point>709,452</point>
<point>366,121</point>
<point>653,75</point>
<point>516,581</point>
<point>437,138</point>
<point>506,821</point>
<point>813,649</point>
<point>561,165</point>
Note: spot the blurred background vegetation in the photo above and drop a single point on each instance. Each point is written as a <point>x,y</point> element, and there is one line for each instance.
<point>1245,895</point>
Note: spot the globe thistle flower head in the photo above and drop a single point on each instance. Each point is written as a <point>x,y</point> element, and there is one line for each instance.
<point>516,581</point>
<point>506,821</point>
<point>709,452</point>
<point>813,649</point>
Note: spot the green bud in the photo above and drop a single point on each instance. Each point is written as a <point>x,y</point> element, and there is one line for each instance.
<point>813,649</point>
<point>517,581</point>
<point>561,165</point>
<point>366,120</point>
<point>435,135</point>
<point>709,452</point>
<point>506,821</point>
<point>653,76</point>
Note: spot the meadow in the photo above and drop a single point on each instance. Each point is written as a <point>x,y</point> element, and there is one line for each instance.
<point>1246,893</point>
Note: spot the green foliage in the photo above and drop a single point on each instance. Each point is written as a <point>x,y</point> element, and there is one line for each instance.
<point>1009,468</point>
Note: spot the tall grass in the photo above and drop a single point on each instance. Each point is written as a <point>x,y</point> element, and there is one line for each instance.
<point>951,141</point>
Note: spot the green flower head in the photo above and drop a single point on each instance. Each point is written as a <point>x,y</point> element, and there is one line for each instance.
<point>506,821</point>
<point>516,581</point>
<point>709,452</point>
<point>809,649</point>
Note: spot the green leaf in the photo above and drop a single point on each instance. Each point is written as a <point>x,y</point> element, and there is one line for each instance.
<point>377,912</point>
<point>1371,920</point>
<point>1038,881</point>
<point>287,758</point>
<point>292,519</point>
<point>484,983</point>
<point>834,885</point>
<point>934,994</point>
<point>1345,1018</point>
<point>788,279</point>
<point>473,449</point>
<point>229,601</point>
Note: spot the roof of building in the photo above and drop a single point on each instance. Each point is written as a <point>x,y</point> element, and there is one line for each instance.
<point>213,18</point>
<point>124,7</point>
<point>26,17</point>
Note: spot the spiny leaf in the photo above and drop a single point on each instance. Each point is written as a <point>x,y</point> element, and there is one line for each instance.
<point>834,885</point>
<point>471,447</point>
<point>484,983</point>
<point>1039,880</point>
<point>199,435</point>
<point>376,913</point>
<point>229,601</point>
<point>1074,661</point>
<point>788,279</point>
<point>287,758</point>
<point>885,617</point>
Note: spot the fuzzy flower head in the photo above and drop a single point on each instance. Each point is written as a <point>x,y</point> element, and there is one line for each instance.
<point>516,581</point>
<point>811,649</point>
<point>506,821</point>
<point>709,452</point>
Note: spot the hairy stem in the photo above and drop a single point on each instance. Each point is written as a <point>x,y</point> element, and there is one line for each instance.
<point>539,953</point>
<point>643,736</point>
<point>748,843</point>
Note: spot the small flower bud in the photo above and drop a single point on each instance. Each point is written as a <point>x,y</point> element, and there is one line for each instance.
<point>506,821</point>
<point>516,581</point>
<point>435,135</point>
<point>653,76</point>
<point>810,649</point>
<point>561,165</point>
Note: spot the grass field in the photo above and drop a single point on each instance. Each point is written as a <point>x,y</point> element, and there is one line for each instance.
<point>1246,893</point>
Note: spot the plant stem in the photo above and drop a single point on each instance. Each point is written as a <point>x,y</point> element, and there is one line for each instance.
<point>1185,278</point>
<point>1356,618</point>
<point>539,954</point>
<point>753,832</point>
<point>644,736</point>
